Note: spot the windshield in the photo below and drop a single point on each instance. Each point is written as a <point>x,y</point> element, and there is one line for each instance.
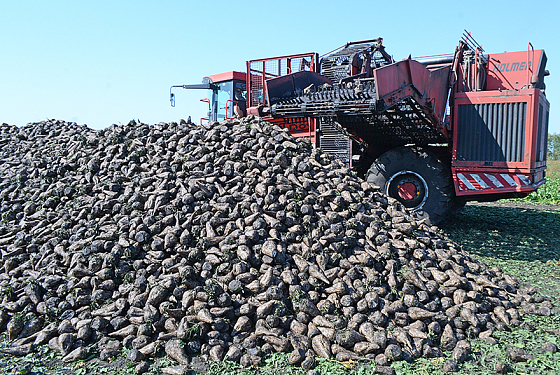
<point>219,99</point>
<point>228,91</point>
<point>240,90</point>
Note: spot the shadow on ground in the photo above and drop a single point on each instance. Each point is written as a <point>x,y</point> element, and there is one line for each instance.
<point>508,233</point>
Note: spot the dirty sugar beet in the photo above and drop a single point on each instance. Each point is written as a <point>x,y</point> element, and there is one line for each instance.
<point>229,241</point>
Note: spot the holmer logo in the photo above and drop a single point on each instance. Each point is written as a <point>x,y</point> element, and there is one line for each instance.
<point>512,67</point>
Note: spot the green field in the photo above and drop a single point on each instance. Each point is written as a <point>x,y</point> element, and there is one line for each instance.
<point>549,193</point>
<point>553,169</point>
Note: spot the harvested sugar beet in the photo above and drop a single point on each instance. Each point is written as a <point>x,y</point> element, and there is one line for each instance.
<point>231,240</point>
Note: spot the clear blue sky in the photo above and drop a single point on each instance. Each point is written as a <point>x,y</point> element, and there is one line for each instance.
<point>104,62</point>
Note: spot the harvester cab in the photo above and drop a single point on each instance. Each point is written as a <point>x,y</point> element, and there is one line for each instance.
<point>227,95</point>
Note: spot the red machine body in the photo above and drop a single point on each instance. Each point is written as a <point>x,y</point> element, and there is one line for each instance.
<point>433,133</point>
<point>515,70</point>
<point>499,140</point>
<point>262,70</point>
<point>500,130</point>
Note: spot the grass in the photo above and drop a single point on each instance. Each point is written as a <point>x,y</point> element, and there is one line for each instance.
<point>553,168</point>
<point>549,193</point>
<point>277,364</point>
<point>41,362</point>
<point>523,243</point>
<point>46,362</point>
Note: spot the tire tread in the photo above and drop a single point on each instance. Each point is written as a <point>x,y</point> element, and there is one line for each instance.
<point>425,163</point>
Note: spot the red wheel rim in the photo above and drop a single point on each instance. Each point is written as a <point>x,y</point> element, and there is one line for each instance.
<point>407,191</point>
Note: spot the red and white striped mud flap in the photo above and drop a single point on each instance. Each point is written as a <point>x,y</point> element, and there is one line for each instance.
<point>491,181</point>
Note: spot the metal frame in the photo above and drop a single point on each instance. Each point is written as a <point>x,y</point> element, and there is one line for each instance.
<point>258,71</point>
<point>234,106</point>
<point>206,100</point>
<point>257,75</point>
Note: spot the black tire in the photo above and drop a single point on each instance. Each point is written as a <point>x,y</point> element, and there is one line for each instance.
<point>418,179</point>
<point>457,204</point>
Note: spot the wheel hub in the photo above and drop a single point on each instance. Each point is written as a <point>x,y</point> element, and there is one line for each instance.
<point>407,191</point>
<point>409,188</point>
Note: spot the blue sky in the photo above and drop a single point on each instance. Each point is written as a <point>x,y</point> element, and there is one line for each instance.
<point>105,62</point>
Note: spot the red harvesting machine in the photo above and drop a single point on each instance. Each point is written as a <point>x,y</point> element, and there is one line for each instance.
<point>432,132</point>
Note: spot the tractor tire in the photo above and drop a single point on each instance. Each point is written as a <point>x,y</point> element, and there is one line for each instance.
<point>457,204</point>
<point>418,179</point>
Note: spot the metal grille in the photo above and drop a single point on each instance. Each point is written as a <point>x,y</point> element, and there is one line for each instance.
<point>333,142</point>
<point>491,132</point>
<point>261,70</point>
<point>542,134</point>
<point>337,66</point>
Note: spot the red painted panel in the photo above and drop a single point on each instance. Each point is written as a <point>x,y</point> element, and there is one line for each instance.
<point>530,96</point>
<point>512,70</point>
<point>529,168</point>
<point>477,182</point>
<point>228,76</point>
<point>298,127</point>
<point>431,88</point>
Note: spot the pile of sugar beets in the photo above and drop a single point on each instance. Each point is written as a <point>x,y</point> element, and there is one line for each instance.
<point>228,242</point>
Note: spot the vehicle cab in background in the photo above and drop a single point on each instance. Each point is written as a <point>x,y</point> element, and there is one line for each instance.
<point>227,98</point>
<point>227,95</point>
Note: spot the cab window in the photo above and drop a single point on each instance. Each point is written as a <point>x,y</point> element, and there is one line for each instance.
<point>229,90</point>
